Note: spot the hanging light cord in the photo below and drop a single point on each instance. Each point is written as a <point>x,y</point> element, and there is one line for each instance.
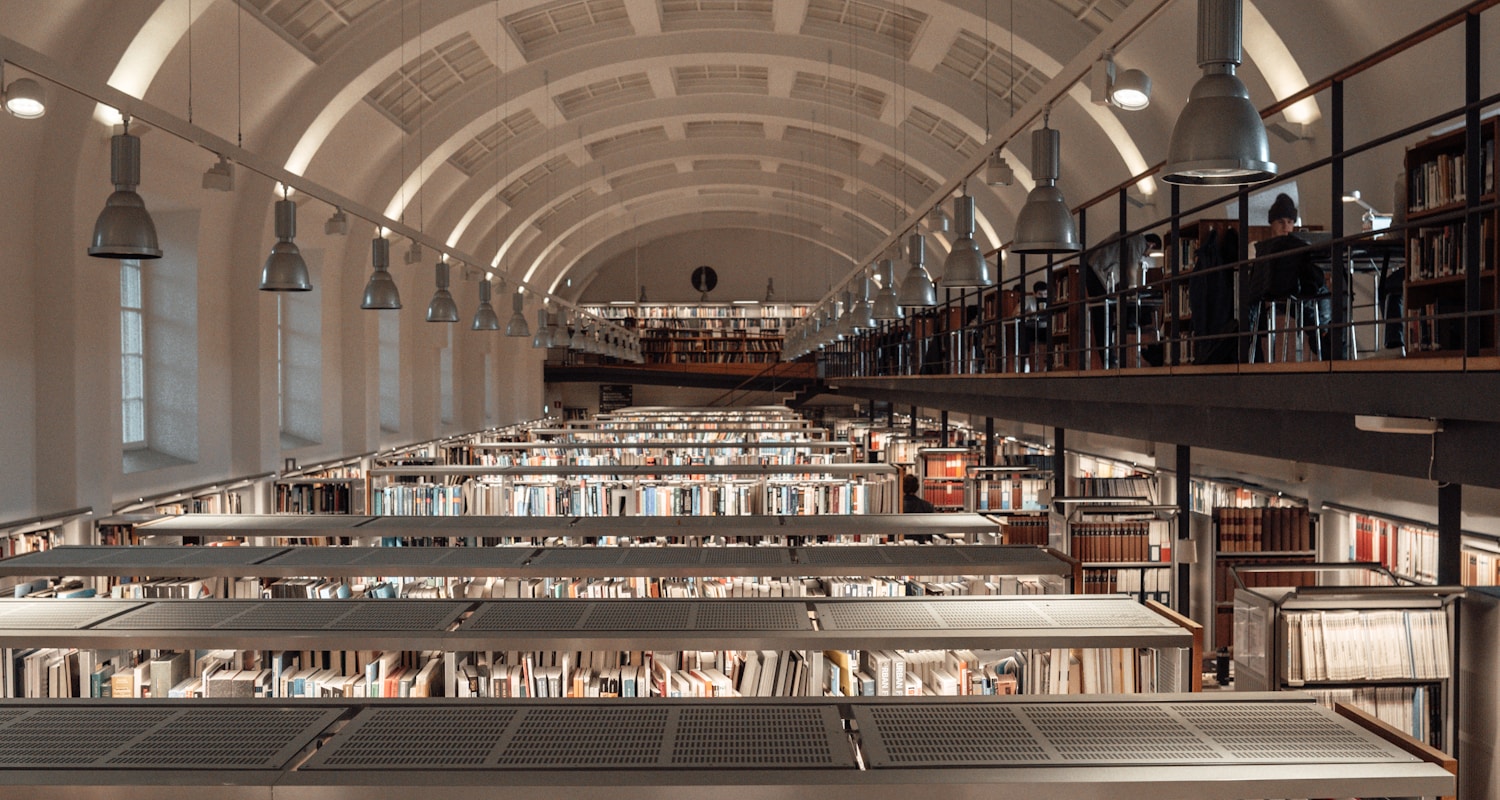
<point>190,61</point>
<point>239,78</point>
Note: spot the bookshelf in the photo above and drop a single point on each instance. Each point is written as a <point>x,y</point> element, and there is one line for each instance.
<point>626,490</point>
<point>1065,641</point>
<point>516,749</point>
<point>666,452</point>
<point>1435,262</point>
<point>1065,326</point>
<point>707,333</point>
<point>1010,490</point>
<point>1215,308</point>
<point>1382,646</point>
<point>1408,547</point>
<point>1125,547</point>
<point>943,470</point>
<point>1254,528</point>
<point>495,531</point>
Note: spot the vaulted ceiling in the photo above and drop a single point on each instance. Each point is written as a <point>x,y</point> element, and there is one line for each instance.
<point>539,136</point>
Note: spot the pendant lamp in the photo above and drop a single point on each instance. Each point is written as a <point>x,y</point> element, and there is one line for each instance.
<point>966,267</point>
<point>442,308</point>
<point>557,335</point>
<point>1219,138</point>
<point>543,337</point>
<point>1045,224</point>
<point>917,290</point>
<point>380,291</point>
<point>484,316</point>
<point>285,271</point>
<point>124,228</point>
<point>860,316</point>
<point>885,306</point>
<point>517,327</point>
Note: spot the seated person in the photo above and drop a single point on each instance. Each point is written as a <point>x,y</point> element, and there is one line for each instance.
<point>1294,276</point>
<point>911,501</point>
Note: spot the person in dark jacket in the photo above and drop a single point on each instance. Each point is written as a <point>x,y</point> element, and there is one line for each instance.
<point>1294,277</point>
<point>911,502</point>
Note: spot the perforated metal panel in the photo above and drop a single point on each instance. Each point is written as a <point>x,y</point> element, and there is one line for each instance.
<point>1104,733</point>
<point>1027,556</point>
<point>746,556</point>
<point>400,615</point>
<point>985,614</point>
<point>225,738</point>
<point>286,615</point>
<point>1101,613</point>
<point>481,557</point>
<point>526,615</point>
<point>220,556</point>
<point>578,557</point>
<point>407,738</point>
<point>587,737</point>
<point>840,556</point>
<point>316,557</point>
<point>663,557</point>
<point>62,555</point>
<point>176,616</point>
<point>404,556</point>
<point>760,737</point>
<point>731,616</point>
<point>875,616</point>
<point>903,557</point>
<point>911,735</point>
<point>639,615</point>
<point>41,614</point>
<point>73,736</point>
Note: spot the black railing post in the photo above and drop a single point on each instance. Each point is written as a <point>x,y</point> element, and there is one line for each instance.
<point>1184,525</point>
<point>1337,335</point>
<point>1173,252</point>
<point>1473,189</point>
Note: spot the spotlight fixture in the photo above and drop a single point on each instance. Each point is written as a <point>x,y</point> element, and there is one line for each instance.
<point>1129,89</point>
<point>220,176</point>
<point>1045,225</point>
<point>885,306</point>
<point>338,224</point>
<point>542,338</point>
<point>285,271</point>
<point>966,267</point>
<point>380,291</point>
<point>938,220</point>
<point>414,253</point>
<point>441,308</point>
<point>997,171</point>
<point>24,97</point>
<point>1219,138</point>
<point>124,228</point>
<point>917,290</point>
<point>517,325</point>
<point>484,315</point>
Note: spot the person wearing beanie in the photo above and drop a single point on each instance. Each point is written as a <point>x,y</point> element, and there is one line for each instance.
<point>1293,277</point>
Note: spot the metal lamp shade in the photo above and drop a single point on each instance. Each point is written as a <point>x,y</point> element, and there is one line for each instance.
<point>285,271</point>
<point>917,290</point>
<point>1219,138</point>
<point>862,317</point>
<point>380,291</point>
<point>556,335</point>
<point>966,267</point>
<point>124,228</point>
<point>885,306</point>
<point>517,326</point>
<point>441,308</point>
<point>543,337</point>
<point>484,315</point>
<point>1045,224</point>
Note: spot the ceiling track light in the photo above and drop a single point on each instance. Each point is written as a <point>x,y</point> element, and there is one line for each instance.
<point>1128,90</point>
<point>966,267</point>
<point>441,308</point>
<point>938,220</point>
<point>414,253</point>
<point>285,271</point>
<point>24,98</point>
<point>885,307</point>
<point>997,171</point>
<point>380,291</point>
<point>220,176</point>
<point>124,228</point>
<point>917,290</point>
<point>484,315</point>
<point>1219,138</point>
<point>517,327</point>
<point>1045,224</point>
<point>338,224</point>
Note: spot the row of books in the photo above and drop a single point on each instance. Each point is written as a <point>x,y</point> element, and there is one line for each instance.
<point>738,311</point>
<point>1257,530</point>
<point>1139,540</point>
<point>1127,487</point>
<point>1439,251</point>
<point>1224,582</point>
<point>1440,181</point>
<point>943,495</point>
<point>1408,550</point>
<point>655,457</point>
<point>16,544</point>
<point>1146,583</point>
<point>947,465</point>
<point>1366,645</point>
<point>1409,709</point>
<point>1480,568</point>
<point>1026,530</point>
<point>1012,494</point>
